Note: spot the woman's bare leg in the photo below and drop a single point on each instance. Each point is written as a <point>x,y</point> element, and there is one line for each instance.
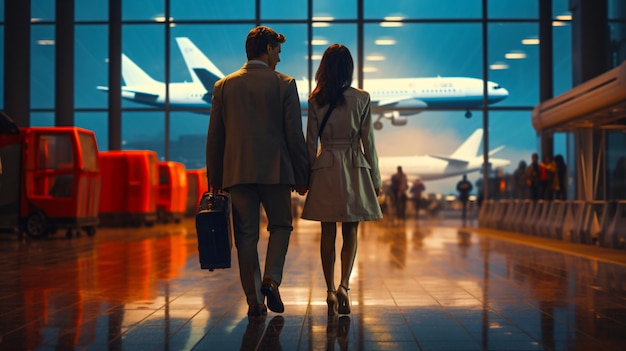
<point>327,251</point>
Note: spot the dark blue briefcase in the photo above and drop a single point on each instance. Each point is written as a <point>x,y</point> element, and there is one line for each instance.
<point>215,231</point>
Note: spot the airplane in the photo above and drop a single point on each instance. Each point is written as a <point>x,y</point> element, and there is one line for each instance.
<point>465,159</point>
<point>392,98</point>
<point>141,88</point>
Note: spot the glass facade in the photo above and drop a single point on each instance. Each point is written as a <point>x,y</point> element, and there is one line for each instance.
<point>427,41</point>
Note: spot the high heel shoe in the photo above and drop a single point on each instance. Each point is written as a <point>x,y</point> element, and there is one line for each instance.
<point>331,300</point>
<point>343,299</point>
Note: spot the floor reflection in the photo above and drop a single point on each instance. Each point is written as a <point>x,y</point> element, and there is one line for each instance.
<point>414,287</point>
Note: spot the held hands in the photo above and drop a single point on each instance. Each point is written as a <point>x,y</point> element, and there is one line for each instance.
<point>300,189</point>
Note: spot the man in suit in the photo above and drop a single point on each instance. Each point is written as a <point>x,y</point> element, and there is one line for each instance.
<point>256,151</point>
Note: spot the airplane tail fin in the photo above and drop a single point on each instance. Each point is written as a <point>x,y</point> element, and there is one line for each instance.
<point>469,149</point>
<point>201,69</point>
<point>133,74</point>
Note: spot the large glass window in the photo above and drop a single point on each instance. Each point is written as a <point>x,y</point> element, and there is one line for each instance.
<point>188,139</point>
<point>284,9</point>
<point>215,10</point>
<point>91,70</point>
<point>423,50</point>
<point>422,9</point>
<point>337,9</point>
<point>616,165</point>
<point>617,26</point>
<point>562,46</point>
<point>92,10</point>
<point>42,119</point>
<point>2,65</point>
<point>96,122</point>
<point>143,65</point>
<point>133,10</point>
<point>42,67</point>
<point>514,62</point>
<point>41,10</point>
<point>144,131</point>
<point>423,65</point>
<point>513,9</point>
<point>293,56</point>
<point>333,33</point>
<point>223,45</point>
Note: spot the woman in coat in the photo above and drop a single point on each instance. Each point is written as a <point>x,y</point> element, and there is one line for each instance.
<point>345,180</point>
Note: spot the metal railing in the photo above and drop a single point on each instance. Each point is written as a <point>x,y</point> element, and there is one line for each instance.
<point>601,223</point>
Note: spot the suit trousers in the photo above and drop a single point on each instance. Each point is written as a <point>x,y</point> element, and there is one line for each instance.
<point>246,202</point>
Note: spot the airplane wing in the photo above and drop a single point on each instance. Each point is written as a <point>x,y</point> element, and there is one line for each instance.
<point>492,152</point>
<point>139,95</point>
<point>396,99</point>
<point>451,161</point>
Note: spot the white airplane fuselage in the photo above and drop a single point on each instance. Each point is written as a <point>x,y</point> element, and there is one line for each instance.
<point>387,94</point>
<point>418,93</point>
<point>429,168</point>
<point>467,158</point>
<point>421,93</point>
<point>185,95</point>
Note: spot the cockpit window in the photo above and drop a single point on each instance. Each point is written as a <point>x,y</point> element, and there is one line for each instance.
<point>496,87</point>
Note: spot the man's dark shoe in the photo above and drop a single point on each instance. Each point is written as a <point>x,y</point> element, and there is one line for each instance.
<point>257,310</point>
<point>270,290</point>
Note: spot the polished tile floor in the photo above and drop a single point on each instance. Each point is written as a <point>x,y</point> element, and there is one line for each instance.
<point>417,285</point>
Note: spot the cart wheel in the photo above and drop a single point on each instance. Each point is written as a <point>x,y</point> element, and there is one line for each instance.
<point>91,231</point>
<point>35,225</point>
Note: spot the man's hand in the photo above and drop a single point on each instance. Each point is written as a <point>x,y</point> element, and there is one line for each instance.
<point>300,189</point>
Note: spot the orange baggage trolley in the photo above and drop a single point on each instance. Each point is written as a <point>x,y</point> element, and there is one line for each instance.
<point>172,198</point>
<point>197,184</point>
<point>49,179</point>
<point>129,187</point>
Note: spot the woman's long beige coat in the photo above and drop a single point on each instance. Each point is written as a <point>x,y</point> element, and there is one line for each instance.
<point>344,171</point>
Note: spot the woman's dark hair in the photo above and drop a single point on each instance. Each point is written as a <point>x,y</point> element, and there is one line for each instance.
<point>258,39</point>
<point>333,76</point>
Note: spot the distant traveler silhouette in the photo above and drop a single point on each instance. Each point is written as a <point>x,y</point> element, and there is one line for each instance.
<point>399,186</point>
<point>464,187</point>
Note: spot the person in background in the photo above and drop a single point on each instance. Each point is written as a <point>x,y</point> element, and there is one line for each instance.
<point>256,151</point>
<point>416,191</point>
<point>399,186</point>
<point>561,178</point>
<point>549,177</point>
<point>464,187</point>
<point>520,187</point>
<point>533,178</point>
<point>345,179</point>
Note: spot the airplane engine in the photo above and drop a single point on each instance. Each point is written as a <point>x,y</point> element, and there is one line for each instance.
<point>397,119</point>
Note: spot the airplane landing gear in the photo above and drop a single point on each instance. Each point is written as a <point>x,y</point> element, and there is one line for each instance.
<point>468,114</point>
<point>378,125</point>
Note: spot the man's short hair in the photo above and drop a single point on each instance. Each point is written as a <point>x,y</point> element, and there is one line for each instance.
<point>258,39</point>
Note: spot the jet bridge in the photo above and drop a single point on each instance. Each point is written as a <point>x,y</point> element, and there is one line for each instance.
<point>593,114</point>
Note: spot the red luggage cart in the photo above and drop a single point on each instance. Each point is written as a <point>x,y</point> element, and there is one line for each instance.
<point>129,188</point>
<point>172,198</point>
<point>197,185</point>
<point>49,179</point>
